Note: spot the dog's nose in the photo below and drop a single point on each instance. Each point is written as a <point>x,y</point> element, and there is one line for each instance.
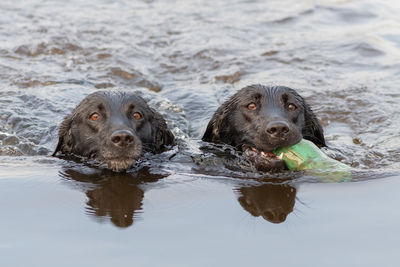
<point>274,218</point>
<point>278,129</point>
<point>122,138</point>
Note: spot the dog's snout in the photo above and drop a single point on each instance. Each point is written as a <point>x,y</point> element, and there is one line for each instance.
<point>274,218</point>
<point>122,138</point>
<point>277,128</point>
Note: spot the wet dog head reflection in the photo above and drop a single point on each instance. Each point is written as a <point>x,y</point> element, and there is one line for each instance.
<point>117,196</point>
<point>271,201</point>
<point>113,129</point>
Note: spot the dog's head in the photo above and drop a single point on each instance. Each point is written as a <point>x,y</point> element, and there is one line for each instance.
<point>113,128</point>
<point>264,118</point>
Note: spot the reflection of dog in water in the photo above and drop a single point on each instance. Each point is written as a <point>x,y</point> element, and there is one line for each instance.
<point>271,201</point>
<point>118,196</point>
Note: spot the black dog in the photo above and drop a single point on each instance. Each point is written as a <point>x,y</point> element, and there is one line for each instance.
<point>113,128</point>
<point>258,119</point>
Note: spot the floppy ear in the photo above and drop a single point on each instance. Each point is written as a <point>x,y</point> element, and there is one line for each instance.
<point>248,205</point>
<point>164,136</point>
<point>218,125</point>
<point>313,130</point>
<point>64,136</point>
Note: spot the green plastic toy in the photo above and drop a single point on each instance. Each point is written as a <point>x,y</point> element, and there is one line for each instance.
<point>305,155</point>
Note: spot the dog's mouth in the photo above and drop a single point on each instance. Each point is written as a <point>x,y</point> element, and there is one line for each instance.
<point>119,160</point>
<point>119,164</point>
<point>264,161</point>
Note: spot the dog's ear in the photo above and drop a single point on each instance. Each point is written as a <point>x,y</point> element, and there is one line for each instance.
<point>64,136</point>
<point>248,205</point>
<point>313,130</point>
<point>163,136</point>
<point>218,125</point>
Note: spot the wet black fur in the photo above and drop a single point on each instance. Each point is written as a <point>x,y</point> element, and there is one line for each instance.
<point>235,125</point>
<point>80,136</point>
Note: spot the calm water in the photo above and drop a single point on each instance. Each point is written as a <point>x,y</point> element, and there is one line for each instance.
<point>186,58</point>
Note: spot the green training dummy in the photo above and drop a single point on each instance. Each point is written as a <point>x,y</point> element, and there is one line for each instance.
<point>305,155</point>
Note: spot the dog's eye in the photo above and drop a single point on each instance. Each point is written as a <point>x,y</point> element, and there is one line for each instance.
<point>137,115</point>
<point>291,107</point>
<point>95,116</point>
<point>251,106</point>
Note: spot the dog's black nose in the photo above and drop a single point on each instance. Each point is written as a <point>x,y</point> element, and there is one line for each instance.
<point>122,138</point>
<point>277,129</point>
<point>274,217</point>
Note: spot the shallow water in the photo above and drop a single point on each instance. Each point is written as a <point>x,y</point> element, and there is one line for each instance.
<point>186,58</point>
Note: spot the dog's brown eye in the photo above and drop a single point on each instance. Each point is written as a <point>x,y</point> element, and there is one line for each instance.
<point>251,106</point>
<point>95,116</point>
<point>137,115</point>
<point>291,107</point>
